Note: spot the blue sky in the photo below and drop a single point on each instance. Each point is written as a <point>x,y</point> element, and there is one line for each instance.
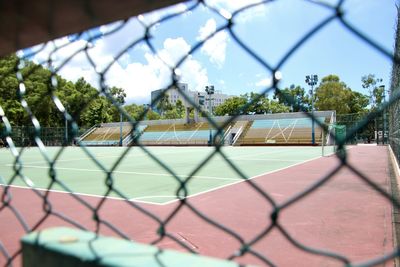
<point>270,30</point>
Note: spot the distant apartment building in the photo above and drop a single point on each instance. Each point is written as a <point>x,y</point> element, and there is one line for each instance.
<point>217,99</point>
<point>200,98</point>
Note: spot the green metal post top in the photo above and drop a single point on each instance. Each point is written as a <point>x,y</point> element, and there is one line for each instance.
<point>64,246</point>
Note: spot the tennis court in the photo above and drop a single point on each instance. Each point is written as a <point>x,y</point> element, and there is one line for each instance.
<point>141,178</point>
<point>344,216</point>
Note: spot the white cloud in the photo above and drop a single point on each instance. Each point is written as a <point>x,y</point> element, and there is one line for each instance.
<point>69,59</point>
<point>207,29</point>
<point>194,74</point>
<point>138,79</point>
<point>222,85</point>
<point>234,5</point>
<point>155,16</point>
<point>119,36</point>
<point>174,50</point>
<point>215,47</point>
<point>264,82</point>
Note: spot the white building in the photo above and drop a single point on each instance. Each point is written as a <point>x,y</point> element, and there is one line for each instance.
<point>217,99</point>
<point>200,98</point>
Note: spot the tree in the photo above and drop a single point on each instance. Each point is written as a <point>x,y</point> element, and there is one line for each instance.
<point>163,104</point>
<point>256,104</point>
<point>97,112</point>
<point>180,108</point>
<point>376,93</point>
<point>294,97</point>
<point>37,92</point>
<point>136,112</point>
<point>171,114</point>
<point>259,104</point>
<point>333,94</point>
<point>231,106</point>
<point>78,98</point>
<point>151,115</point>
<point>118,94</point>
<point>358,102</point>
<point>376,98</point>
<point>276,107</point>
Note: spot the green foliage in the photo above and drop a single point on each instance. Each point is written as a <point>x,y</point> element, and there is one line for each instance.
<point>333,94</point>
<point>256,104</point>
<point>118,94</point>
<point>96,113</point>
<point>163,104</point>
<point>231,106</point>
<point>180,108</point>
<point>136,112</point>
<point>358,102</point>
<point>88,107</point>
<point>171,114</point>
<point>81,100</point>
<point>170,111</point>
<point>276,107</point>
<point>376,93</point>
<point>294,97</point>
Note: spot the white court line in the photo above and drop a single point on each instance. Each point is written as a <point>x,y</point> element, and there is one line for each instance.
<point>67,160</point>
<point>144,197</point>
<point>243,180</point>
<point>129,172</point>
<point>171,201</point>
<point>77,194</point>
<point>256,154</point>
<point>101,157</point>
<point>254,177</point>
<point>279,160</point>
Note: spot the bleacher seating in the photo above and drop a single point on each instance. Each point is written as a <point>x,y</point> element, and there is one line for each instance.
<point>263,129</point>
<point>283,131</point>
<point>177,134</point>
<point>105,135</point>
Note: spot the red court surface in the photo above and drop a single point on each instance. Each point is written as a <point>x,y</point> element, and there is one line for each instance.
<point>344,215</point>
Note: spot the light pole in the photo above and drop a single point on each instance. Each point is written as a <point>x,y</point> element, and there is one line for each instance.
<point>384,114</point>
<point>66,131</point>
<point>120,128</point>
<point>210,91</point>
<point>66,124</point>
<point>312,80</point>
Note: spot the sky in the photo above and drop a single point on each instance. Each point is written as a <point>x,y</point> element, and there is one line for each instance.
<point>270,30</point>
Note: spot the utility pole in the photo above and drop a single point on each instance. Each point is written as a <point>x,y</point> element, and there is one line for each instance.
<point>312,80</point>
<point>210,91</point>
<point>66,131</point>
<point>384,140</point>
<point>120,128</point>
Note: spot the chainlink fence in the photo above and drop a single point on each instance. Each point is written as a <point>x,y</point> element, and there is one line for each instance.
<point>17,138</point>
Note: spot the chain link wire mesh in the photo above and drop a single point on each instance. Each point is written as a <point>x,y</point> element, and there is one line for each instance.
<point>394,106</point>
<point>246,246</point>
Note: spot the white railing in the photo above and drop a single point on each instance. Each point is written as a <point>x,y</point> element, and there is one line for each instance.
<point>237,135</point>
<point>227,133</point>
<point>85,134</point>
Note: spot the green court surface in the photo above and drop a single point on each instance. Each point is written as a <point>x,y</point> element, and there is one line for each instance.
<point>140,177</point>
